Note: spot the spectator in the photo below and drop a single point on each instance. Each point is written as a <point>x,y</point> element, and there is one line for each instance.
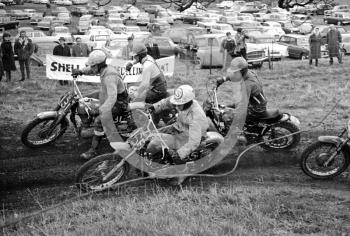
<point>128,49</point>
<point>152,48</point>
<point>48,11</point>
<point>241,48</point>
<point>62,50</point>
<point>80,49</point>
<point>24,49</point>
<point>228,47</point>
<point>333,41</point>
<point>191,55</point>
<point>1,65</point>
<point>315,46</point>
<point>8,58</point>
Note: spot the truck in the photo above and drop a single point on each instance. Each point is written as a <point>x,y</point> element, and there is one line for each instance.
<point>7,22</point>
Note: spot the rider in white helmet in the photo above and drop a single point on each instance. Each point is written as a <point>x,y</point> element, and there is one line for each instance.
<point>185,135</point>
<point>113,98</point>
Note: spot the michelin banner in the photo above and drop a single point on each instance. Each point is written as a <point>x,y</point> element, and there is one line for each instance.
<point>60,68</point>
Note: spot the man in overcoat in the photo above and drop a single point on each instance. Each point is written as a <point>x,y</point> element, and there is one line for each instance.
<point>333,41</point>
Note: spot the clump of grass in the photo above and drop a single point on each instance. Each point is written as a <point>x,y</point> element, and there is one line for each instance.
<point>214,210</point>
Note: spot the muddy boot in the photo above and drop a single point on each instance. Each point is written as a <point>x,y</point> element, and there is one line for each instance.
<point>310,62</point>
<point>92,152</point>
<point>331,61</point>
<point>316,62</point>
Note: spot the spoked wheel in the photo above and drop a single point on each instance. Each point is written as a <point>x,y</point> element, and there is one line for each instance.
<point>280,130</point>
<point>314,161</point>
<point>40,132</point>
<point>90,176</point>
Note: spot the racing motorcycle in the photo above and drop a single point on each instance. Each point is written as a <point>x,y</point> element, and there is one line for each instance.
<point>328,157</point>
<point>269,127</point>
<point>48,126</point>
<point>102,172</point>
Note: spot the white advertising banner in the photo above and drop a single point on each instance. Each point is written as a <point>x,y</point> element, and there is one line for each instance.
<point>60,68</point>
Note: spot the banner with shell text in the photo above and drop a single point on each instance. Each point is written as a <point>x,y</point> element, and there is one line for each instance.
<point>60,68</point>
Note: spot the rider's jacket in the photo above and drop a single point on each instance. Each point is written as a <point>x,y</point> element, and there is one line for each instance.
<point>254,88</point>
<point>112,92</point>
<point>192,121</point>
<point>151,72</point>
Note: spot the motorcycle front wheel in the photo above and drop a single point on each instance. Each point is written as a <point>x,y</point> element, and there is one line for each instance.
<point>279,130</point>
<point>90,175</point>
<point>37,132</point>
<point>314,157</point>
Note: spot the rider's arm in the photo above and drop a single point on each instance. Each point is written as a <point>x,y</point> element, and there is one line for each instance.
<point>194,137</point>
<point>106,110</point>
<point>163,104</point>
<point>145,83</point>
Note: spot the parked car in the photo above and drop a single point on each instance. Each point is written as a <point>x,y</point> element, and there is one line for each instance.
<point>61,31</point>
<point>225,4</point>
<point>246,24</point>
<point>77,2</point>
<point>7,22</point>
<point>84,23</point>
<point>58,10</point>
<point>158,27</point>
<point>18,14</point>
<point>143,19</point>
<point>166,16</point>
<point>180,35</point>
<point>275,28</point>
<point>255,57</point>
<point>153,9</point>
<point>97,11</point>
<point>288,27</point>
<point>298,19</point>
<point>192,18</point>
<point>275,17</point>
<point>322,7</point>
<point>30,12</point>
<point>117,28</point>
<point>97,41</point>
<point>166,46</point>
<point>345,44</point>
<point>64,2</point>
<point>298,46</point>
<point>337,18</point>
<point>3,12</point>
<point>338,8</point>
<point>249,8</point>
<point>47,22</point>
<point>38,16</point>
<point>64,17</point>
<point>177,16</point>
<point>269,45</point>
<point>79,11</point>
<point>222,29</point>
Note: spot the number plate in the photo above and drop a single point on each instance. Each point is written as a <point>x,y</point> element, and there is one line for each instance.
<point>65,100</point>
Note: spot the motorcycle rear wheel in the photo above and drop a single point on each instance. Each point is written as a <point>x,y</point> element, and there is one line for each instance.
<point>284,143</point>
<point>312,164</point>
<point>100,166</point>
<point>25,136</point>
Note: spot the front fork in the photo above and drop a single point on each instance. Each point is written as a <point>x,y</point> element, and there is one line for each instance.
<point>120,164</point>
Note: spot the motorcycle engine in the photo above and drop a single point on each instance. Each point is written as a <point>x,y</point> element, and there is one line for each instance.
<point>94,104</point>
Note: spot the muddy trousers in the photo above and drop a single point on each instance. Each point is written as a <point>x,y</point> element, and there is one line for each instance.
<point>24,66</point>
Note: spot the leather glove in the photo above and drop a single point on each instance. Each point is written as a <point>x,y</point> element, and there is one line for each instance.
<point>77,72</point>
<point>128,66</point>
<point>149,107</point>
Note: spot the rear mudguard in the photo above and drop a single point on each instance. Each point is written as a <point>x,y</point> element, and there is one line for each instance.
<point>46,114</point>
<point>334,140</point>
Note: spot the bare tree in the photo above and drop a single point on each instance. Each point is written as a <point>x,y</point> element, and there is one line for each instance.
<point>182,5</point>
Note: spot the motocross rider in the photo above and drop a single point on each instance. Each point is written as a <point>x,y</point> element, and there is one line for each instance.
<point>188,130</point>
<point>113,97</point>
<point>238,71</point>
<point>153,86</point>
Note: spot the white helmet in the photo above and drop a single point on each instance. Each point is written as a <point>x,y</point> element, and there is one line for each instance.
<point>182,95</point>
<point>96,57</point>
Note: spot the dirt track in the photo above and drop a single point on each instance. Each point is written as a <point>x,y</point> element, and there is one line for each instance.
<point>46,175</point>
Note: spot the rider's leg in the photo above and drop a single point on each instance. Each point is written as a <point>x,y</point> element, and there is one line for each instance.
<point>96,140</point>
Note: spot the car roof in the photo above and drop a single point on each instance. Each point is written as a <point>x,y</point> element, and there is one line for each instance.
<point>210,35</point>
<point>295,35</point>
